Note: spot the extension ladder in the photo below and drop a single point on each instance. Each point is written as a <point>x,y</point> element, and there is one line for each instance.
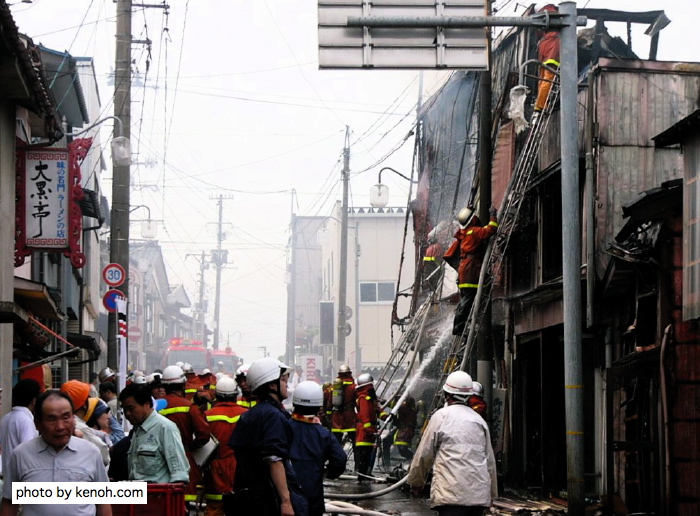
<point>508,217</point>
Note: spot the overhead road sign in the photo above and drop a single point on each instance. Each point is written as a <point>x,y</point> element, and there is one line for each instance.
<point>397,47</point>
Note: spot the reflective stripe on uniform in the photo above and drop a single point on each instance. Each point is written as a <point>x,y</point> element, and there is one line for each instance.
<point>400,443</point>
<point>347,383</point>
<point>247,404</point>
<point>187,391</point>
<point>493,223</point>
<point>467,285</point>
<point>428,258</point>
<point>343,430</point>
<point>174,410</point>
<point>367,425</point>
<point>214,496</point>
<point>552,62</point>
<point>190,498</point>
<point>470,232</point>
<point>364,444</point>
<point>221,417</point>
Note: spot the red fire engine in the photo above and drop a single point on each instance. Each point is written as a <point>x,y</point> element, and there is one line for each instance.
<point>186,351</point>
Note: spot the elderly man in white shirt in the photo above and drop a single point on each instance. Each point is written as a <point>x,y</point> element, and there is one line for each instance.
<point>18,425</point>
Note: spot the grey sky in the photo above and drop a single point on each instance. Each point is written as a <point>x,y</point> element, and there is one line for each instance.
<point>233,104</point>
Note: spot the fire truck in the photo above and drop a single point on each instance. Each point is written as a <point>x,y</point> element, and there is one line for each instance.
<point>228,357</point>
<point>187,351</point>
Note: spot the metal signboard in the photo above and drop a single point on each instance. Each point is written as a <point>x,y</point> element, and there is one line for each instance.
<point>341,46</point>
<point>109,300</point>
<point>113,274</point>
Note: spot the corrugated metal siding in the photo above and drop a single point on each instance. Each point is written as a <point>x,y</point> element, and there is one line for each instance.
<point>691,230</point>
<point>503,161</point>
<point>623,173</point>
<point>634,107</point>
<point>631,108</point>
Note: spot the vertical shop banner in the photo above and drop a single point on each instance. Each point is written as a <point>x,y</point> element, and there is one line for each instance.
<point>48,192</point>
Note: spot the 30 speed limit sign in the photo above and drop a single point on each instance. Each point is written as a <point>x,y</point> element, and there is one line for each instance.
<point>113,274</point>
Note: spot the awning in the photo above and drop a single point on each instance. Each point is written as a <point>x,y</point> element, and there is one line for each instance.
<point>85,342</point>
<point>34,297</point>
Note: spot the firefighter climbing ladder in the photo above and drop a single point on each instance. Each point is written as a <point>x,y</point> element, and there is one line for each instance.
<point>508,218</point>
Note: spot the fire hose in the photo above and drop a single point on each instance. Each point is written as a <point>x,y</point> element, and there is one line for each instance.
<point>373,494</point>
<point>338,507</point>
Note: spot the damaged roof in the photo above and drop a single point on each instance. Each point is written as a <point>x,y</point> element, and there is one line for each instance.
<point>680,131</point>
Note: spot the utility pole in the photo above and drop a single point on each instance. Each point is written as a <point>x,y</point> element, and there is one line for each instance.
<point>343,282</point>
<point>220,259</point>
<point>121,175</point>
<point>202,327</point>
<point>484,347</point>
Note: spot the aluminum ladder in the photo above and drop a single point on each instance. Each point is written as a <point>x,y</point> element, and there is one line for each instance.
<point>462,345</point>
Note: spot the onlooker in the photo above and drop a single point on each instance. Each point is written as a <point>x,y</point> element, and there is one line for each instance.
<point>18,426</point>
<point>265,482</point>
<point>55,456</point>
<point>100,418</point>
<point>457,445</point>
<point>94,384</point>
<point>108,394</point>
<point>313,446</point>
<point>156,453</point>
<point>78,394</point>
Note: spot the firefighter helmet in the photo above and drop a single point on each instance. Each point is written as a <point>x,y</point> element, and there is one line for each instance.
<point>344,368</point>
<point>478,389</point>
<point>308,394</point>
<point>242,370</point>
<point>226,386</point>
<point>105,374</point>
<point>139,380</point>
<point>459,384</point>
<point>180,364</point>
<point>153,379</point>
<point>187,368</point>
<point>206,371</point>
<point>465,216</point>
<point>364,379</point>
<point>264,371</point>
<point>173,374</point>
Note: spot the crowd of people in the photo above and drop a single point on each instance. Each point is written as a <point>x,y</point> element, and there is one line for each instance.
<point>229,441</point>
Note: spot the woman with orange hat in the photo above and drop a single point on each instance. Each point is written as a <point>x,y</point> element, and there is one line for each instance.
<point>78,392</point>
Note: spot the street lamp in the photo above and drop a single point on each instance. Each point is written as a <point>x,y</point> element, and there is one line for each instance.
<point>379,193</point>
<point>121,147</point>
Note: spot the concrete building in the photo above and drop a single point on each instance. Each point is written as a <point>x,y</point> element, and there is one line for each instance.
<point>376,241</point>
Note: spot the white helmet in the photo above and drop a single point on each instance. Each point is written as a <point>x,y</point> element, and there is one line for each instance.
<point>218,376</point>
<point>478,389</point>
<point>226,386</point>
<point>459,384</point>
<point>243,370</point>
<point>308,394</point>
<point>180,364</point>
<point>465,216</point>
<point>265,370</point>
<point>153,378</point>
<point>220,363</point>
<point>172,374</point>
<point>364,379</point>
<point>206,370</point>
<point>187,368</point>
<point>344,368</point>
<point>139,380</point>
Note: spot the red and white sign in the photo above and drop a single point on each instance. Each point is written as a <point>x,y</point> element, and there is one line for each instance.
<point>109,300</point>
<point>113,274</point>
<point>310,364</point>
<point>134,333</point>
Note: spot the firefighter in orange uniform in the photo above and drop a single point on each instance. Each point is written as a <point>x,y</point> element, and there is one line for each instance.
<point>547,54</point>
<point>466,255</point>
<point>192,381</point>
<point>476,400</point>
<point>368,416</point>
<point>343,400</point>
<point>222,420</point>
<point>194,429</point>
<point>327,410</point>
<point>247,399</point>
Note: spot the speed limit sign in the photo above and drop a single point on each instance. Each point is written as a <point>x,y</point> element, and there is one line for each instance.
<point>113,274</point>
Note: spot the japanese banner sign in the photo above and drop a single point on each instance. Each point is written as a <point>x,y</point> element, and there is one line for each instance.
<point>48,190</point>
